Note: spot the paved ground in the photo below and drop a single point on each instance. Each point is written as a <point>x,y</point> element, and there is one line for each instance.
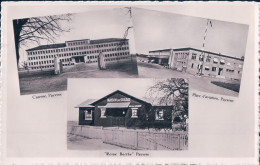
<point>80,143</point>
<point>203,84</point>
<point>41,82</point>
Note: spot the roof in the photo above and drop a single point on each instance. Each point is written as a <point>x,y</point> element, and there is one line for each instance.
<point>153,101</point>
<point>123,93</point>
<point>184,49</point>
<point>161,50</point>
<point>61,45</point>
<point>86,103</point>
<point>51,46</point>
<point>161,56</point>
<point>107,40</point>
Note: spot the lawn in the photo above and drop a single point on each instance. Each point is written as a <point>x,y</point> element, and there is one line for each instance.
<point>45,81</point>
<point>231,86</point>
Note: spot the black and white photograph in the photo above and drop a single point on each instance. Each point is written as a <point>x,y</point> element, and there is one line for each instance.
<point>209,52</point>
<point>95,44</point>
<point>149,114</point>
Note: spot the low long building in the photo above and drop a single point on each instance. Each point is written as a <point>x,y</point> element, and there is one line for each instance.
<point>198,61</point>
<point>121,109</point>
<point>78,51</point>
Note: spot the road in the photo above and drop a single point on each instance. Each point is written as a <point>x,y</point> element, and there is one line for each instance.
<point>203,84</point>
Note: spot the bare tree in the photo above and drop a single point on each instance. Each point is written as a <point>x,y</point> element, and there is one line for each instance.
<point>172,92</point>
<point>36,29</point>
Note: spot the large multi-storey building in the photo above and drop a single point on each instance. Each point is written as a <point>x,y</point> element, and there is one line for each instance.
<point>76,51</point>
<point>198,61</point>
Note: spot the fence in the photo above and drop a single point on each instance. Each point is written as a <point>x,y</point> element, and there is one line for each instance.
<point>147,140</point>
<point>134,139</point>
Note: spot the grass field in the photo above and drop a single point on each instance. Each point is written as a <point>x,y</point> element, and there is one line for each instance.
<point>231,86</point>
<point>45,81</point>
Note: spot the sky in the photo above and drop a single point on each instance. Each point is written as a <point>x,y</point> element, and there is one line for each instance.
<point>110,23</point>
<point>155,30</point>
<point>80,90</point>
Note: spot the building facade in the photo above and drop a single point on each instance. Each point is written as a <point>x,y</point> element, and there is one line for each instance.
<point>197,61</point>
<point>78,51</point>
<point>121,109</point>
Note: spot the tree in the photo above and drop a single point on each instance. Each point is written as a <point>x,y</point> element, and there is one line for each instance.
<point>37,29</point>
<point>172,92</point>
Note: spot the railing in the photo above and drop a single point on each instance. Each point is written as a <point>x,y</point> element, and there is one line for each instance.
<point>146,140</point>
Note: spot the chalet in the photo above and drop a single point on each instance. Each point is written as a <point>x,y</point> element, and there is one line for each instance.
<point>121,109</point>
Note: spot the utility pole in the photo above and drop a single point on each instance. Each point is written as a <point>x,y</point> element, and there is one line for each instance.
<point>202,55</point>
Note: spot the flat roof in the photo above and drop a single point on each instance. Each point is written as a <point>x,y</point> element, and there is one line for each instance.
<point>50,46</point>
<point>189,48</point>
<point>62,45</point>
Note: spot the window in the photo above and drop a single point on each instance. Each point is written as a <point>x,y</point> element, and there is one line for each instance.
<point>201,58</point>
<point>230,70</point>
<point>103,110</point>
<point>222,62</point>
<point>88,115</point>
<point>215,60</point>
<point>206,68</point>
<point>214,68</point>
<point>208,59</point>
<point>159,115</point>
<point>192,65</point>
<point>134,112</point>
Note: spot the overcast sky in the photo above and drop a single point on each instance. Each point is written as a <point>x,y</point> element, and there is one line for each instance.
<point>80,90</point>
<point>110,23</point>
<point>155,30</point>
<point>159,30</point>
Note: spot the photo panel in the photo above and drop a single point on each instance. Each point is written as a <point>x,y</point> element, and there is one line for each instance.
<point>128,114</point>
<point>50,49</point>
<point>209,52</point>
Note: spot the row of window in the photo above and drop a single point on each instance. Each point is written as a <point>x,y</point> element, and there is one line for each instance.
<point>48,61</point>
<point>113,59</point>
<point>117,54</point>
<point>207,68</point>
<point>88,114</point>
<point>74,54</point>
<point>98,46</point>
<point>120,45</point>
<point>50,66</point>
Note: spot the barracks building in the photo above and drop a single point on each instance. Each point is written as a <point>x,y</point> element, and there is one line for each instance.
<point>121,109</point>
<point>191,60</point>
<point>78,51</point>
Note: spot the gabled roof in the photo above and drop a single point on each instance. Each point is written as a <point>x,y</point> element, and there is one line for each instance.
<point>51,46</point>
<point>122,93</point>
<point>86,103</point>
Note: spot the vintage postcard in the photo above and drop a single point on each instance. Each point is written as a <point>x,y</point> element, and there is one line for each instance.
<point>129,83</point>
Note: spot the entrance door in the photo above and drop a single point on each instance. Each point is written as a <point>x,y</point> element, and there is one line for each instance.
<point>79,59</point>
<point>220,70</point>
